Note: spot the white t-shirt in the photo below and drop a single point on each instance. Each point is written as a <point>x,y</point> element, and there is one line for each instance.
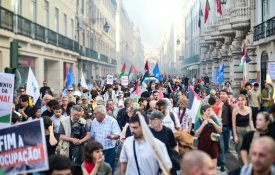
<point>168,122</point>
<point>185,118</point>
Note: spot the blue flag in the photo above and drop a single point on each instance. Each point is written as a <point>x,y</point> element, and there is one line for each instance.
<point>221,76</point>
<point>70,78</point>
<point>216,76</point>
<point>157,73</point>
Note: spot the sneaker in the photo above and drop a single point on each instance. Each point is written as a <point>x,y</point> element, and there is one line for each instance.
<point>222,169</point>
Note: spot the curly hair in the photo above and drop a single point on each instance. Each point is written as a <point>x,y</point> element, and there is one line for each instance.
<point>89,148</point>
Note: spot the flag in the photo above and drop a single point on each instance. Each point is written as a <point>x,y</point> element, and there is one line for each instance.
<point>122,70</point>
<point>245,57</point>
<point>146,67</point>
<point>132,73</point>
<point>146,74</point>
<point>160,93</point>
<point>32,86</point>
<point>70,77</point>
<point>206,11</point>
<point>221,76</point>
<point>199,23</point>
<point>219,6</point>
<point>157,73</point>
<point>135,95</point>
<point>194,104</point>
<point>83,81</point>
<point>216,76</point>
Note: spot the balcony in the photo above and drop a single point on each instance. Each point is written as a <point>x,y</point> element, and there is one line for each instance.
<point>9,21</point>
<point>264,30</point>
<point>240,17</point>
<point>6,19</point>
<point>191,60</point>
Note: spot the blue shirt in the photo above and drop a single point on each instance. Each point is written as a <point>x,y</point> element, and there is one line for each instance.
<point>100,130</point>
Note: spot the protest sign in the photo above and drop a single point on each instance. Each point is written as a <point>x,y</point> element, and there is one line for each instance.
<point>124,80</point>
<point>23,148</point>
<point>6,98</point>
<point>110,79</point>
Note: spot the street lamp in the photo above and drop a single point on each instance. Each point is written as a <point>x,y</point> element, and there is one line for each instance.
<point>106,27</point>
<point>178,41</point>
<point>223,1</point>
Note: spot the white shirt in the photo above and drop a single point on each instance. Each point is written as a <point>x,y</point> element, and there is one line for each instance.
<point>168,122</point>
<point>185,118</point>
<point>147,162</point>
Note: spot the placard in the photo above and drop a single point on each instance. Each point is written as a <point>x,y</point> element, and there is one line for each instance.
<point>110,79</point>
<point>6,98</point>
<point>271,70</point>
<point>124,81</point>
<point>23,148</point>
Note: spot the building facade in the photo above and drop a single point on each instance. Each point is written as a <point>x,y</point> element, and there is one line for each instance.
<point>55,35</point>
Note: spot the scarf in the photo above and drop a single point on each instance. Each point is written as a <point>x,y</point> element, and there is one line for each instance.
<point>89,166</point>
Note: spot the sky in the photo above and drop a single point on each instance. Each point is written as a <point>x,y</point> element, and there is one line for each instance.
<point>154,18</point>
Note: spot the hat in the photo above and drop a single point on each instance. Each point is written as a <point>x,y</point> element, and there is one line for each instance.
<point>100,101</point>
<point>156,114</point>
<point>84,97</point>
<point>77,93</point>
<point>120,93</point>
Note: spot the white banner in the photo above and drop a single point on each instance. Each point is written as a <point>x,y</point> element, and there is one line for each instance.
<point>124,81</point>
<point>6,98</point>
<point>83,81</point>
<point>32,86</point>
<point>110,79</point>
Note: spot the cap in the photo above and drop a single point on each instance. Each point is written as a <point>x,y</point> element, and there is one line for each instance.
<point>100,101</point>
<point>84,97</point>
<point>156,114</point>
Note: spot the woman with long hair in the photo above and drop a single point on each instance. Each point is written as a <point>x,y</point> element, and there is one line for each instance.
<point>35,113</point>
<point>263,121</point>
<point>206,129</point>
<point>242,121</point>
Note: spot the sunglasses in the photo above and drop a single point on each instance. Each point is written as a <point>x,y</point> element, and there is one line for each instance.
<point>70,90</point>
<point>21,91</point>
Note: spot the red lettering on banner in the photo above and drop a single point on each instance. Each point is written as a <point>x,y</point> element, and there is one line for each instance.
<point>4,98</point>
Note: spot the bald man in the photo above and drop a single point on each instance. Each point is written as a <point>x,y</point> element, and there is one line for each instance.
<point>262,157</point>
<point>197,163</point>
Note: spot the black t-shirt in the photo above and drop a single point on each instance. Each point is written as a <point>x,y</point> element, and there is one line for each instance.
<point>50,148</point>
<point>47,113</point>
<point>272,130</point>
<point>166,136</point>
<point>248,138</point>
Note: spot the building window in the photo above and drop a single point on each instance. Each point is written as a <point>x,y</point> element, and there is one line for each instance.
<point>17,6</point>
<point>265,10</point>
<point>56,20</point>
<point>47,14</point>
<point>34,10</point>
<point>65,24</point>
<point>72,28</point>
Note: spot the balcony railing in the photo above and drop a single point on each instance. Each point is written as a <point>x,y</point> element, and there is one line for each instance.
<point>270,27</point>
<point>6,19</point>
<point>191,60</point>
<point>24,26</point>
<point>9,21</point>
<point>265,29</point>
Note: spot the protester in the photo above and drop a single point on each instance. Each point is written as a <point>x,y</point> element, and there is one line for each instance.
<point>24,109</point>
<point>94,160</point>
<point>106,131</point>
<point>197,163</point>
<point>51,141</point>
<point>45,89</point>
<point>35,113</point>
<point>137,155</point>
<point>207,129</point>
<point>267,98</point>
<point>57,117</point>
<point>263,122</point>
<point>46,99</point>
<point>59,165</point>
<point>122,117</point>
<point>254,100</point>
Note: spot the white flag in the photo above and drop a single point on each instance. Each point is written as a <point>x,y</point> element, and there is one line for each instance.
<point>32,86</point>
<point>83,82</point>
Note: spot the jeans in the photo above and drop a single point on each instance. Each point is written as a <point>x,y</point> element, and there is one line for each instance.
<point>221,158</point>
<point>110,156</point>
<point>265,109</point>
<point>255,111</point>
<point>226,131</point>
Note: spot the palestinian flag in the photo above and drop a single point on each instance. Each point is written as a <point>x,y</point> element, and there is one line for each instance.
<point>146,67</point>
<point>245,57</point>
<point>135,95</point>
<point>132,73</point>
<point>206,11</point>
<point>146,73</point>
<point>122,70</point>
<point>194,105</point>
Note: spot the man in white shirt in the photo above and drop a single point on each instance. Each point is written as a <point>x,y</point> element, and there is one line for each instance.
<point>137,155</point>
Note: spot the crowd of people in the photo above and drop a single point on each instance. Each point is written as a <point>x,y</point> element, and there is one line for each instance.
<point>91,130</point>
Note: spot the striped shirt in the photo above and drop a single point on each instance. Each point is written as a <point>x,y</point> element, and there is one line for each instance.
<point>100,130</point>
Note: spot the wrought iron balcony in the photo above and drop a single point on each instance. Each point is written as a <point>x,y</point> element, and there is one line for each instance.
<point>52,37</point>
<point>6,19</point>
<point>113,61</point>
<point>191,60</point>
<point>24,26</point>
<point>270,27</point>
<point>39,32</point>
<point>104,58</point>
<point>265,29</point>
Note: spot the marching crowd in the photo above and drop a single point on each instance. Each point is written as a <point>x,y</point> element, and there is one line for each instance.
<point>90,130</point>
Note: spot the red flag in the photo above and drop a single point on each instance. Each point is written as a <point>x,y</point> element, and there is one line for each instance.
<point>147,66</point>
<point>244,51</point>
<point>160,93</point>
<point>206,11</point>
<point>138,89</point>
<point>122,70</point>
<point>219,6</point>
